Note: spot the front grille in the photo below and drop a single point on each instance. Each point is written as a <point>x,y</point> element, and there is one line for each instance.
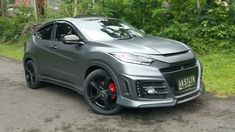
<point>178,70</point>
<point>171,69</point>
<point>143,86</point>
<point>177,67</point>
<point>172,77</point>
<point>189,65</point>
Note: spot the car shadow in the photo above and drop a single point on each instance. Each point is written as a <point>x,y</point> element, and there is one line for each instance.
<point>148,116</point>
<point>190,106</point>
<point>62,92</point>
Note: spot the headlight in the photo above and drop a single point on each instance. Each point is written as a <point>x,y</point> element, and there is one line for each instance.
<point>131,58</point>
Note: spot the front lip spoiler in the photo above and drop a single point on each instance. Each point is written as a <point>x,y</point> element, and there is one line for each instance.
<point>157,103</point>
<point>132,103</point>
<point>190,98</point>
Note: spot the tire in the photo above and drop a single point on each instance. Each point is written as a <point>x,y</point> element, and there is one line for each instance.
<point>100,93</point>
<point>31,75</point>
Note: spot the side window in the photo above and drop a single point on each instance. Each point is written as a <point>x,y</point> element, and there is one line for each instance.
<point>45,33</point>
<point>63,30</point>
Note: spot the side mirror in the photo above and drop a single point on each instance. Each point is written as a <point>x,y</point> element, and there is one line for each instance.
<point>71,39</point>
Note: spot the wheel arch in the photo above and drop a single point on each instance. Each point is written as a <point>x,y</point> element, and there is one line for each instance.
<point>28,57</point>
<point>101,65</point>
<point>97,64</point>
<point>91,69</point>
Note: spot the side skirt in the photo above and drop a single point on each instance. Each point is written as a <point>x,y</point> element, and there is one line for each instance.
<point>62,83</point>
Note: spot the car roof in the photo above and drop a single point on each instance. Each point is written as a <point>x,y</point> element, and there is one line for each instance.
<point>72,20</point>
<point>78,18</point>
<point>84,18</point>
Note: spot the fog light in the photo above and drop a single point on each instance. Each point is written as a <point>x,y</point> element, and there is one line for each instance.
<point>151,91</point>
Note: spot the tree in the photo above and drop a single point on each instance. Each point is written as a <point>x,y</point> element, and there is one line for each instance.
<point>39,8</point>
<point>198,4</point>
<point>3,7</point>
<point>75,8</point>
<point>35,9</point>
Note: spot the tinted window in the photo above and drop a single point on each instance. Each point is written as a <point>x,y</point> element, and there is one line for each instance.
<point>107,29</point>
<point>63,30</point>
<point>45,33</point>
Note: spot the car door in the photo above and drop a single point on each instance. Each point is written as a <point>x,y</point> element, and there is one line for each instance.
<point>42,40</point>
<point>67,59</point>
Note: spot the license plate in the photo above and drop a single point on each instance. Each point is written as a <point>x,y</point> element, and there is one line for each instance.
<point>186,82</point>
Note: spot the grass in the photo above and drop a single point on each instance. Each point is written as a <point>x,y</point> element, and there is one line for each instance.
<point>14,51</point>
<point>218,74</point>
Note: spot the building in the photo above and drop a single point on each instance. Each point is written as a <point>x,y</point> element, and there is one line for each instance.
<point>24,2</point>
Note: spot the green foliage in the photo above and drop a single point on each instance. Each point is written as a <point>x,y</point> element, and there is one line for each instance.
<point>14,28</point>
<point>208,29</point>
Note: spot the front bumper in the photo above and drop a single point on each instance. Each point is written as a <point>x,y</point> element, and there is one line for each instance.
<point>129,96</point>
<point>163,102</point>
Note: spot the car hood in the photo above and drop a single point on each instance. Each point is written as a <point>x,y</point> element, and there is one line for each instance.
<point>148,45</point>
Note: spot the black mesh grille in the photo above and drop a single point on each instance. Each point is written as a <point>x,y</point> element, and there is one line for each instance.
<point>179,66</point>
<point>189,65</point>
<point>172,77</point>
<point>170,69</point>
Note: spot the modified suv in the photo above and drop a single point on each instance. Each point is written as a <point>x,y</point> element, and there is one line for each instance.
<point>112,64</point>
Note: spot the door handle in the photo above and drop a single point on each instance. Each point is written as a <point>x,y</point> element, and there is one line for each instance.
<point>54,47</point>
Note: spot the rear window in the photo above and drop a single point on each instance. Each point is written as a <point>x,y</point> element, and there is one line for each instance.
<point>45,33</point>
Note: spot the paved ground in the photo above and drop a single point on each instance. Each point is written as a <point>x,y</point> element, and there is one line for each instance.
<point>56,109</point>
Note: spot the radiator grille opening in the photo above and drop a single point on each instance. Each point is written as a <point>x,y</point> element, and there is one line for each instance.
<point>179,66</point>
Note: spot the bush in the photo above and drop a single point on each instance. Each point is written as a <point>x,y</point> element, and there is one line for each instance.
<point>210,30</point>
<point>14,28</point>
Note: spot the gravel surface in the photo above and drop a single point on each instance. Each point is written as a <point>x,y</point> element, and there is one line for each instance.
<point>57,109</point>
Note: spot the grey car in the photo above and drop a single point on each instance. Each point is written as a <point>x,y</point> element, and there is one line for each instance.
<point>112,64</point>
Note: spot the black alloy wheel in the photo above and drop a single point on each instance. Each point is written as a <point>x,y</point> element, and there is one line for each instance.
<point>101,93</point>
<point>31,75</point>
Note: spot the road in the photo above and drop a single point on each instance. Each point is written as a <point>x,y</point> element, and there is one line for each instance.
<point>57,109</point>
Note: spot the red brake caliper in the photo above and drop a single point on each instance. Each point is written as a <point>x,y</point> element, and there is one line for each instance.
<point>112,89</point>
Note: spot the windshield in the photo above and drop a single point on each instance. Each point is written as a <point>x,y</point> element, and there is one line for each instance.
<point>107,29</point>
